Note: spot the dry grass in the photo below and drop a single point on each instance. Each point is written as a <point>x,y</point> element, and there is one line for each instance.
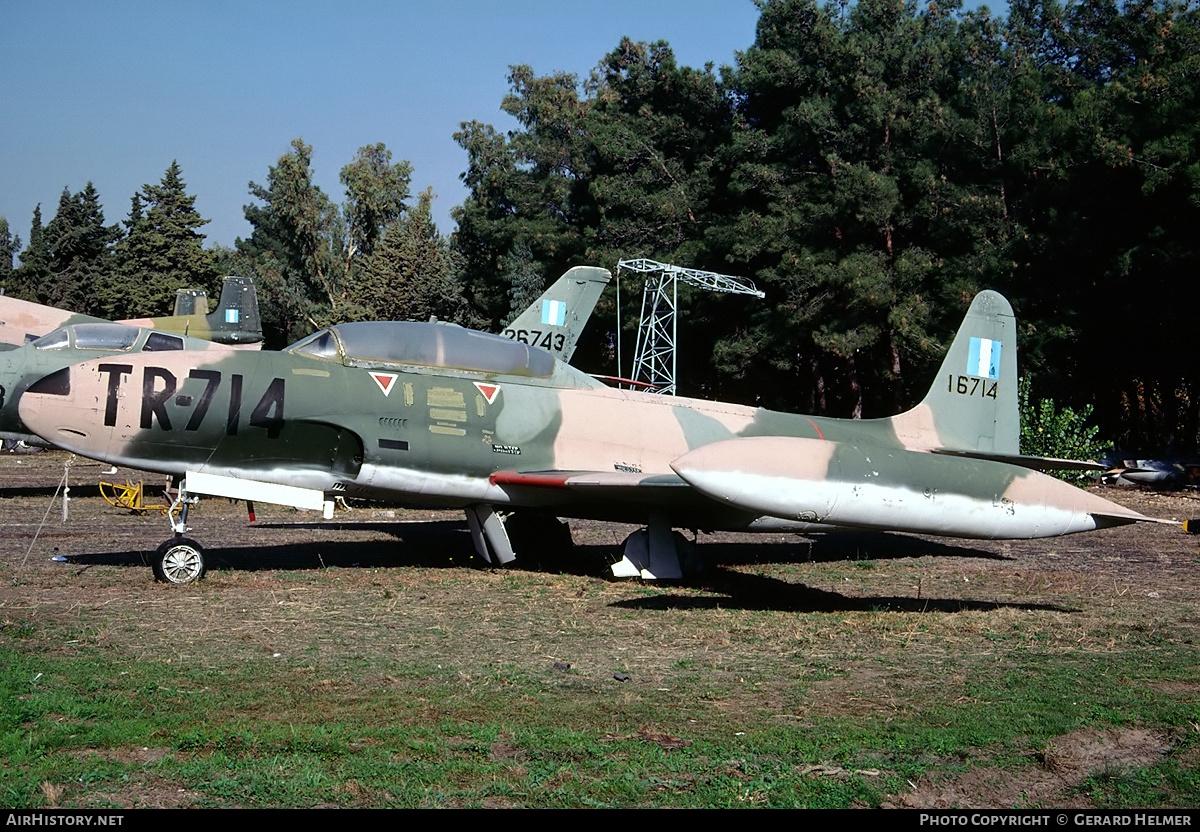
<point>341,622</point>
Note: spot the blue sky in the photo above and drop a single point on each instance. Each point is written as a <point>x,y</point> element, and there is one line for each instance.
<point>111,92</point>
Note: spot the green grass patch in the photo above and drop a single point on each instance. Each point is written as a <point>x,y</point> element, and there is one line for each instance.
<point>361,733</point>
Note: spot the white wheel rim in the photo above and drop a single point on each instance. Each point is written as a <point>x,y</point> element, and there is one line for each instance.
<point>182,564</point>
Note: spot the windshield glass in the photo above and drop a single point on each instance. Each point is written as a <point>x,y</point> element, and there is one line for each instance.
<point>105,336</point>
<point>322,345</point>
<point>55,340</point>
<point>428,345</point>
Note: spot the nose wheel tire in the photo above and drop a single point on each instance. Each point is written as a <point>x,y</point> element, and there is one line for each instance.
<point>179,561</point>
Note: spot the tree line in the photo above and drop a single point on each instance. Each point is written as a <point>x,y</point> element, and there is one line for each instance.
<point>76,261</point>
<point>378,255</point>
<point>870,165</point>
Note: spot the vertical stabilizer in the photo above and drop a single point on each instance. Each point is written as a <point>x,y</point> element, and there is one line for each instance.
<point>190,302</point>
<point>972,404</point>
<point>236,319</point>
<point>555,320</point>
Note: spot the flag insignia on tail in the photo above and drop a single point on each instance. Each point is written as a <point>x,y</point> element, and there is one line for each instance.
<point>554,312</point>
<point>984,358</point>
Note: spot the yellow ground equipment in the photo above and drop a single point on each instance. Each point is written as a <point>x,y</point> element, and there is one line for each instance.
<point>130,496</point>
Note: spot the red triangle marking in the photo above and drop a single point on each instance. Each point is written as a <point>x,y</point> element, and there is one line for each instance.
<point>489,391</point>
<point>385,381</point>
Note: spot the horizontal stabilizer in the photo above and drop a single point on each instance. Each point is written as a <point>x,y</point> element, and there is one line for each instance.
<point>1037,463</point>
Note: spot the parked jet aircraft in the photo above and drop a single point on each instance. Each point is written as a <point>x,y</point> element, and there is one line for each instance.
<point>235,321</point>
<point>444,416</point>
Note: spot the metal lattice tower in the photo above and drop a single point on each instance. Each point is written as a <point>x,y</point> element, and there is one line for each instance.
<point>654,357</point>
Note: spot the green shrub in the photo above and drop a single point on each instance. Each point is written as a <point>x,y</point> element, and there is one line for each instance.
<point>1065,434</point>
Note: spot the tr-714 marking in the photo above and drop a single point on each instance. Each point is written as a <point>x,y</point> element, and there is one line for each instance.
<point>159,385</point>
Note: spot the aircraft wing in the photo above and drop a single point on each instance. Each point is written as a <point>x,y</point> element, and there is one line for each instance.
<point>1037,463</point>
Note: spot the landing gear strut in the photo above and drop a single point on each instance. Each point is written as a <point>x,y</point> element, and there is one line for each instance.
<point>658,553</point>
<point>179,560</point>
<point>541,539</point>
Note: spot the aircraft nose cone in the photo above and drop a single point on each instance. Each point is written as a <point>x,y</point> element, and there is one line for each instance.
<point>47,409</point>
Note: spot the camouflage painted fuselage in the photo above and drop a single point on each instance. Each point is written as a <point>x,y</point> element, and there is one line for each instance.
<point>434,428</point>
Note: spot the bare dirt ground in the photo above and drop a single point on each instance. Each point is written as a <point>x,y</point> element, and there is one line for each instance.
<point>290,583</point>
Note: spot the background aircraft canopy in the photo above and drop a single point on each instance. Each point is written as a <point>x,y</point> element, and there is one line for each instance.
<point>106,336</point>
<point>425,345</point>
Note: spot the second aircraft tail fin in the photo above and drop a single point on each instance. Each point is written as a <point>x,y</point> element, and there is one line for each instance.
<point>236,319</point>
<point>555,320</point>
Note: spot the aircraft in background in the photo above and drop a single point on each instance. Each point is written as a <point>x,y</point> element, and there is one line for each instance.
<point>446,417</point>
<point>1155,473</point>
<point>235,321</point>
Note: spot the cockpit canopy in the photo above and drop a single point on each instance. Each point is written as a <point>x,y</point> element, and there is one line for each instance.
<point>107,336</point>
<point>443,346</point>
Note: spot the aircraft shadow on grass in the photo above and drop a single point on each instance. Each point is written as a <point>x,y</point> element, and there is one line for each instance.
<point>446,544</point>
<point>731,590</point>
<point>865,546</point>
<point>78,491</point>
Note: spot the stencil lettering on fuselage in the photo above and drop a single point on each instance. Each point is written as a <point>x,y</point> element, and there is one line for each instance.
<point>159,387</point>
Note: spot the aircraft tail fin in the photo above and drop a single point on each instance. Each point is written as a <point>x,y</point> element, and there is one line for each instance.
<point>555,320</point>
<point>236,319</point>
<point>971,407</point>
<point>190,302</point>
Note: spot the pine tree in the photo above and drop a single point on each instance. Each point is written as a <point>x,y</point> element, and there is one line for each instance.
<point>9,246</point>
<point>655,131</point>
<point>376,191</point>
<point>161,253</point>
<point>854,197</point>
<point>80,252</point>
<point>526,281</point>
<point>411,276</point>
<point>294,250</point>
<point>527,189</point>
<point>35,262</point>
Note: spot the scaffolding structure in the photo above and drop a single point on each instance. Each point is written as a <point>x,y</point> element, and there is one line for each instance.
<point>654,356</point>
